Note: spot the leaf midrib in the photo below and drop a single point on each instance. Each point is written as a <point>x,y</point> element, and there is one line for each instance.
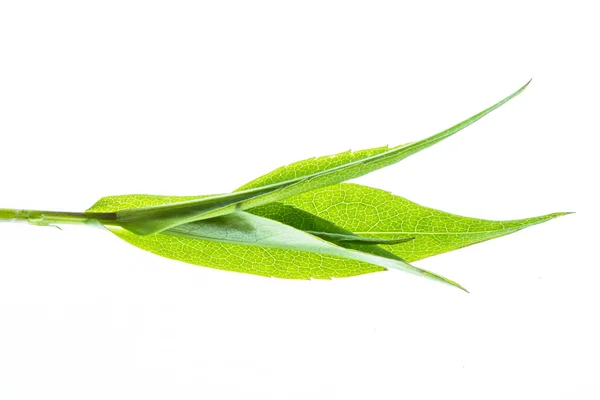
<point>438,233</point>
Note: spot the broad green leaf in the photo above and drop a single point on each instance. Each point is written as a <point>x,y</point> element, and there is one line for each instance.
<point>284,182</point>
<point>277,211</point>
<point>381,215</point>
<point>245,242</point>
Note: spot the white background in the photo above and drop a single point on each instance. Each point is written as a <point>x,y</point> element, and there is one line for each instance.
<point>100,98</point>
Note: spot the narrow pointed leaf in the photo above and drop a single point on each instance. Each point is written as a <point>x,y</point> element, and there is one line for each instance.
<point>284,182</point>
<point>368,160</point>
<point>378,214</point>
<point>251,230</point>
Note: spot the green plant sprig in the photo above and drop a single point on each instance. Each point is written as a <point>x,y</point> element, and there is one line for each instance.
<point>300,221</point>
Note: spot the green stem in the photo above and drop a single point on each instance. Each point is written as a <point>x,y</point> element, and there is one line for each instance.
<point>36,217</point>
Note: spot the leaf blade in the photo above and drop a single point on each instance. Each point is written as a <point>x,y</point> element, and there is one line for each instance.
<point>288,182</point>
<point>379,214</point>
<point>251,230</point>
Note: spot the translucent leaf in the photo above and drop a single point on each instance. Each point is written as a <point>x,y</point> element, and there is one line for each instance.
<point>378,214</point>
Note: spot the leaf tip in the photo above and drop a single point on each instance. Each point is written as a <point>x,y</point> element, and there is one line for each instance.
<point>442,279</point>
<point>522,88</point>
<point>455,284</point>
<point>561,214</point>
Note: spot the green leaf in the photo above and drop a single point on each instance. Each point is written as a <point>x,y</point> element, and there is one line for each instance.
<point>378,214</point>
<point>284,182</point>
<point>364,160</point>
<point>277,211</point>
<point>244,242</point>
